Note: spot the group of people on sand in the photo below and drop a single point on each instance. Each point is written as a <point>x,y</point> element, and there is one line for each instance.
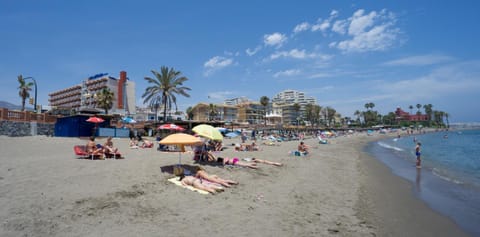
<point>135,142</point>
<point>213,183</point>
<point>102,151</point>
<point>247,147</point>
<point>204,181</point>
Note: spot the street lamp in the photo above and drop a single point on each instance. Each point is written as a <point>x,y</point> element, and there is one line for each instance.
<point>35,84</point>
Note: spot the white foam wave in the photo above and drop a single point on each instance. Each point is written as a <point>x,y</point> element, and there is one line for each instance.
<point>439,174</point>
<point>389,146</point>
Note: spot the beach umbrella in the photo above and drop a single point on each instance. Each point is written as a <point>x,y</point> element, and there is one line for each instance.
<point>231,134</point>
<point>96,120</point>
<point>208,131</point>
<point>170,126</point>
<point>128,120</point>
<point>182,140</point>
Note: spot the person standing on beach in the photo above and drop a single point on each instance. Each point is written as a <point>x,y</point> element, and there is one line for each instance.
<point>418,153</point>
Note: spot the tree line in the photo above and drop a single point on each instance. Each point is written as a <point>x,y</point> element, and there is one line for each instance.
<point>168,83</point>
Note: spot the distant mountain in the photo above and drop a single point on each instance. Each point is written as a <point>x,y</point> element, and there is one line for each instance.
<point>4,104</point>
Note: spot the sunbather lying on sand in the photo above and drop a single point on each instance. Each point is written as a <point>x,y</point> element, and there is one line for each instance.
<point>236,161</point>
<point>200,184</point>
<point>202,174</point>
<point>256,160</point>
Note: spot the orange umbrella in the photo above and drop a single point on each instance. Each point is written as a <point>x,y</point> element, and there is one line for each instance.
<point>182,140</point>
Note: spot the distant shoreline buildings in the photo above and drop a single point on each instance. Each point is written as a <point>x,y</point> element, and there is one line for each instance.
<point>81,98</point>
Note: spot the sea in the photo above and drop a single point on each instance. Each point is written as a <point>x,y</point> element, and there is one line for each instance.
<point>449,180</point>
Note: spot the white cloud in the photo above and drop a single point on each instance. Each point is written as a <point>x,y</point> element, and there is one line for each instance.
<point>334,13</point>
<point>340,27</point>
<point>360,22</point>
<point>294,53</point>
<point>457,79</point>
<point>275,39</point>
<point>251,52</point>
<point>369,32</point>
<point>219,95</point>
<point>320,75</point>
<point>287,73</point>
<point>419,60</point>
<point>216,63</point>
<point>301,27</point>
<point>323,26</point>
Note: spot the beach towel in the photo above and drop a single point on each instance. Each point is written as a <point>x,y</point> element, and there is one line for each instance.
<point>176,181</point>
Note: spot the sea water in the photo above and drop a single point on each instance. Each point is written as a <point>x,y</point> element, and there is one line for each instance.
<point>449,180</point>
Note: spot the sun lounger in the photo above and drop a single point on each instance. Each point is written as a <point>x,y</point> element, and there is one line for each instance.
<point>81,152</point>
<point>114,155</point>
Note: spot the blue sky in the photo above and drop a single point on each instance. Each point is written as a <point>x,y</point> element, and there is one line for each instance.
<point>344,53</point>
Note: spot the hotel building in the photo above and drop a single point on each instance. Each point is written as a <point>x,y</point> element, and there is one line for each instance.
<point>82,97</point>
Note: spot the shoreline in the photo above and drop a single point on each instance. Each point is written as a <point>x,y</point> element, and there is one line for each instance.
<point>337,190</point>
<point>392,205</point>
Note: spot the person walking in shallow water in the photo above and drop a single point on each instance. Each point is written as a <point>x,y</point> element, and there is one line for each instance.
<point>418,153</point>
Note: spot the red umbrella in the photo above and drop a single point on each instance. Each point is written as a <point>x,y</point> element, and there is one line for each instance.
<point>95,120</point>
<point>171,126</point>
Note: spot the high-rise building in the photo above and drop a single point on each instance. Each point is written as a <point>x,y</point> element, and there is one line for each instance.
<point>286,101</point>
<point>83,96</point>
<point>292,97</point>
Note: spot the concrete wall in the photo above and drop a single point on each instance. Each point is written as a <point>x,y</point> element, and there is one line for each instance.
<point>18,129</point>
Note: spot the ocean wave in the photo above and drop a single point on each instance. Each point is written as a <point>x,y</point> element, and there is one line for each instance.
<point>443,176</point>
<point>384,145</point>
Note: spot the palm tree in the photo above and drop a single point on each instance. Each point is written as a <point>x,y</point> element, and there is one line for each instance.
<point>410,107</point>
<point>190,113</point>
<point>24,89</point>
<point>297,107</point>
<point>212,112</point>
<point>367,106</point>
<point>428,111</point>
<point>418,108</point>
<point>166,85</point>
<point>446,117</point>
<point>330,114</point>
<point>309,113</point>
<point>316,113</point>
<point>105,99</point>
<point>264,101</point>
<point>357,114</point>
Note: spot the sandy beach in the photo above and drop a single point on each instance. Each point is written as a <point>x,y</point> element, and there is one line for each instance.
<point>337,190</point>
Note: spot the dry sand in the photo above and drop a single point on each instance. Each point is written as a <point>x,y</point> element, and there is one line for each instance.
<point>336,191</point>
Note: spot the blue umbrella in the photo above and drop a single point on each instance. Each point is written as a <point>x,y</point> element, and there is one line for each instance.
<point>231,134</point>
<point>128,120</point>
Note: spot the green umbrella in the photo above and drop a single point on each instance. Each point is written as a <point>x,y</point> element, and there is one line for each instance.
<point>208,131</point>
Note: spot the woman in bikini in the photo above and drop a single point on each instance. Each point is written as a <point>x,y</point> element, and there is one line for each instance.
<point>202,174</point>
<point>236,161</point>
<point>200,184</point>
